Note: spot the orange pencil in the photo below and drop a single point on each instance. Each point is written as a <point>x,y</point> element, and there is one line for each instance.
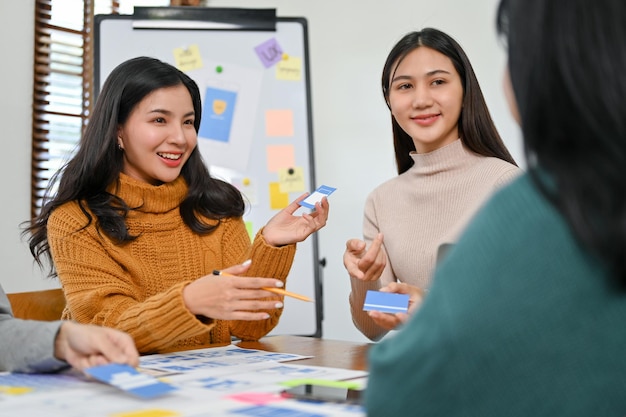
<point>278,291</point>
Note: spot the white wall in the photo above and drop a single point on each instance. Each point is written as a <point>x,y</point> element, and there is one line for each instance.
<point>16,50</point>
<point>349,41</point>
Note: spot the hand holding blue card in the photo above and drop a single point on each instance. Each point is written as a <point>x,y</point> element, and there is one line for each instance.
<point>386,302</point>
<point>316,196</point>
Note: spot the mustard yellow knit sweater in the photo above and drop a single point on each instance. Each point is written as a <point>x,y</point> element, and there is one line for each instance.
<point>137,287</point>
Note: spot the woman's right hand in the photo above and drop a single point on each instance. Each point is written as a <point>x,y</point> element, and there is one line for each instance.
<point>366,265</point>
<point>231,297</point>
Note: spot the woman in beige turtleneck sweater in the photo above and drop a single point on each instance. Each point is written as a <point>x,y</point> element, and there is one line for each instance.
<point>450,158</point>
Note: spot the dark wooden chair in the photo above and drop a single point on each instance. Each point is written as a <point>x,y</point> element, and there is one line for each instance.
<point>46,305</point>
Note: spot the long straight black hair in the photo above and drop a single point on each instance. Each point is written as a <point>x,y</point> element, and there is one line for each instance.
<point>98,162</point>
<point>476,128</point>
<point>567,60</point>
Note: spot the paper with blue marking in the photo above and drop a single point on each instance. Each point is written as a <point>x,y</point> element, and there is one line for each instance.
<point>386,302</point>
<point>316,196</point>
<point>130,380</point>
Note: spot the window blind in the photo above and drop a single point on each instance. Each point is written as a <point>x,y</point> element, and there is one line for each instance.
<point>62,84</point>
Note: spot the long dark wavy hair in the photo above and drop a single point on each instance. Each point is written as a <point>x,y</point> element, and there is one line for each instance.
<point>567,74</point>
<point>476,127</point>
<point>98,162</point>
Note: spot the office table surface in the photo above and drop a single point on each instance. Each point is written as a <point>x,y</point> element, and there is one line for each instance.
<point>191,397</point>
<point>325,352</point>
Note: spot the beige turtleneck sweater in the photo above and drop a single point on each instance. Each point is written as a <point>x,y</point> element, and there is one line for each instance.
<point>137,287</point>
<point>421,209</point>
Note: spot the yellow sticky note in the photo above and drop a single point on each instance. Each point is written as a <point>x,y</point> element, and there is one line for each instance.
<point>188,59</point>
<point>9,390</point>
<point>279,123</point>
<point>250,230</point>
<point>280,156</point>
<point>291,180</point>
<point>155,412</point>
<point>289,69</point>
<point>278,200</point>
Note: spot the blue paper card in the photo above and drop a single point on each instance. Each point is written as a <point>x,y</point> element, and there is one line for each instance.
<point>217,114</point>
<point>130,380</point>
<point>386,302</point>
<point>317,195</point>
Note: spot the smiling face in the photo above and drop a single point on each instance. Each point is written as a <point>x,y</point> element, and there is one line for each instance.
<point>426,97</point>
<point>159,135</point>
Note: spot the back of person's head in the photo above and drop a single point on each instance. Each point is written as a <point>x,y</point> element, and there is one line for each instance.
<point>566,61</point>
<point>476,128</point>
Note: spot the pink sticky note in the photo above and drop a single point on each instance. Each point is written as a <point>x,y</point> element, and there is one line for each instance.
<point>259,398</point>
<point>280,156</point>
<point>279,123</point>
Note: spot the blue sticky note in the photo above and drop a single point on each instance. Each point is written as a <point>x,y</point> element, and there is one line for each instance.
<point>386,302</point>
<point>130,380</point>
<point>316,196</point>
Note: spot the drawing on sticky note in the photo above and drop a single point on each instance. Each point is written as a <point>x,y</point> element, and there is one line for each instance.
<point>269,52</point>
<point>291,180</point>
<point>218,111</point>
<point>188,59</point>
<point>289,69</point>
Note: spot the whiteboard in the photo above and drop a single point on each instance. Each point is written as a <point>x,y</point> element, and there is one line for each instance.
<point>265,145</point>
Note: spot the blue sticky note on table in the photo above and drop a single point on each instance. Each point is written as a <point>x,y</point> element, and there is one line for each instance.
<point>386,302</point>
<point>316,196</point>
<point>130,380</point>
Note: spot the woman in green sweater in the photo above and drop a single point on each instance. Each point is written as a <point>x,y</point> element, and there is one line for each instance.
<point>526,314</point>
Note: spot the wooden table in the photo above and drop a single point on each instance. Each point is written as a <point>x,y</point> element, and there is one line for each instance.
<point>331,353</point>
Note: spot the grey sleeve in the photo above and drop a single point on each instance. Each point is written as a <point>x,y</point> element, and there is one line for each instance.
<point>26,345</point>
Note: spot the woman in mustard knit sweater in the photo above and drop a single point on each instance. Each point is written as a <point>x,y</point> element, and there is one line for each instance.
<point>450,158</point>
<point>137,224</point>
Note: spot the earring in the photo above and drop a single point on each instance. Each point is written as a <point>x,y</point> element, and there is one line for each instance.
<point>119,146</point>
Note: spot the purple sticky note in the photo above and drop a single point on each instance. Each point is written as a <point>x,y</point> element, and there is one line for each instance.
<point>269,52</point>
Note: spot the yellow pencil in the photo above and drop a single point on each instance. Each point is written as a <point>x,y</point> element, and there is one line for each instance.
<point>278,291</point>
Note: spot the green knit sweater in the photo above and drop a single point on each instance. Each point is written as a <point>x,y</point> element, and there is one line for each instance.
<point>520,321</point>
<point>137,287</point>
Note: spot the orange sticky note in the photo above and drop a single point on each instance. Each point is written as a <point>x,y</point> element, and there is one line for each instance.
<point>280,156</point>
<point>279,123</point>
<point>278,200</point>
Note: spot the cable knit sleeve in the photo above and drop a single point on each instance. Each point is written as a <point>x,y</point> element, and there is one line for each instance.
<point>99,290</point>
<point>267,261</point>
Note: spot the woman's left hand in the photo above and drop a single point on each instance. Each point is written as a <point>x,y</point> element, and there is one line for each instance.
<point>285,228</point>
<point>390,321</point>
